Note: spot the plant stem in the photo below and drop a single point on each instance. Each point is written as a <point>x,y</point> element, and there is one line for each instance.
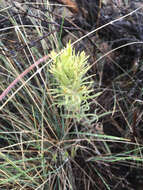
<point>6,91</point>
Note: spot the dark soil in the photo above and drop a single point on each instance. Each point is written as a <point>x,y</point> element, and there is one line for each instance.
<point>120,74</point>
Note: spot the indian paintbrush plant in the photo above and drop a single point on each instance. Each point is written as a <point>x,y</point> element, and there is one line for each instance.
<point>71,88</point>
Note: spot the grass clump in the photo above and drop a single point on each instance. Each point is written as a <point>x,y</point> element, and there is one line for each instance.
<point>40,148</point>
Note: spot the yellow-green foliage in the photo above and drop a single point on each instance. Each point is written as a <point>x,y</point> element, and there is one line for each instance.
<point>72,88</point>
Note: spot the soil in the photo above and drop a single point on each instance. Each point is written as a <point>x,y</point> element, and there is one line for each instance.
<point>120,74</point>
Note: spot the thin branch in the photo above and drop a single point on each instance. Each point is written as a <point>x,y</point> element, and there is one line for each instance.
<point>6,91</point>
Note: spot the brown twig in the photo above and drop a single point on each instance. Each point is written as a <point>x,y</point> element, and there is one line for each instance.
<point>6,91</point>
<point>70,4</point>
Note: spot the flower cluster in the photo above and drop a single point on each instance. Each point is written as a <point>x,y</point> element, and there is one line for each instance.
<point>72,87</point>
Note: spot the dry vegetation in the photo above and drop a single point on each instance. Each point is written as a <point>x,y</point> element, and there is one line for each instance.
<point>41,148</point>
